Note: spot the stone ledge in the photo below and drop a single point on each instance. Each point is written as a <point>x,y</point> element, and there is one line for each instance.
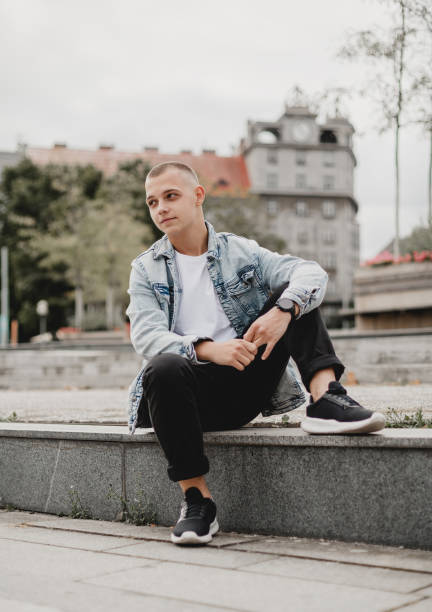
<point>372,488</point>
<point>251,436</point>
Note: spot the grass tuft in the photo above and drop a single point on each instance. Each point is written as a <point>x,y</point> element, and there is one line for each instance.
<point>416,420</point>
<point>135,511</point>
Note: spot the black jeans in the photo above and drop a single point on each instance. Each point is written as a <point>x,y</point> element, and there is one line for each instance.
<point>184,399</point>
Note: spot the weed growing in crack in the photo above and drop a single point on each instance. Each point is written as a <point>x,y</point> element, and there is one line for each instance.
<point>11,418</point>
<point>136,511</point>
<point>78,511</point>
<point>416,420</point>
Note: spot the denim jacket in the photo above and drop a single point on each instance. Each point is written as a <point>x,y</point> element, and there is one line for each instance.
<point>243,274</point>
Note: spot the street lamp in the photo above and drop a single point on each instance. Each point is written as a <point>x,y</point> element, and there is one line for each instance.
<point>42,309</point>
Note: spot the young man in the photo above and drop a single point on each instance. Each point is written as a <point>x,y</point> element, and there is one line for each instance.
<point>216,318</point>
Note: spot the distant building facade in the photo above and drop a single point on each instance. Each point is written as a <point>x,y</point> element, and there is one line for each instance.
<point>395,296</point>
<point>217,173</point>
<point>304,172</point>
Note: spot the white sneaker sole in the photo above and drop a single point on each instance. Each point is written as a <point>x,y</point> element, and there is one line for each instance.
<point>190,537</point>
<point>330,426</point>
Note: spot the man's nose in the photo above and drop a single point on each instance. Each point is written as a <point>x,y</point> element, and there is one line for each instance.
<point>163,206</point>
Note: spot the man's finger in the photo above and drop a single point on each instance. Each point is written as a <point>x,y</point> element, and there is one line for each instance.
<point>249,334</point>
<point>268,350</point>
<point>251,347</point>
<point>259,341</point>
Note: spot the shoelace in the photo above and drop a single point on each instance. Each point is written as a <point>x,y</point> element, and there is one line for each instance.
<point>344,400</point>
<point>194,510</point>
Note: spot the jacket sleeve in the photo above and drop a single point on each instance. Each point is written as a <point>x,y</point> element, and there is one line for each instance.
<point>149,324</point>
<point>307,279</point>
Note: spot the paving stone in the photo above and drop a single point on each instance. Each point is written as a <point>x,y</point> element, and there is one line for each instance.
<point>200,555</point>
<point>54,537</point>
<point>145,532</point>
<point>426,592</point>
<point>64,564</point>
<point>19,516</point>
<point>247,591</point>
<point>15,605</point>
<point>382,579</point>
<point>110,528</point>
<point>425,605</point>
<point>75,596</point>
<point>357,553</point>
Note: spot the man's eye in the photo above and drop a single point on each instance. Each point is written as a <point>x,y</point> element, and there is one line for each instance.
<point>171,194</point>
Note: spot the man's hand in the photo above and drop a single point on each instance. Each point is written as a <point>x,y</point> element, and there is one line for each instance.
<point>268,329</point>
<point>237,352</point>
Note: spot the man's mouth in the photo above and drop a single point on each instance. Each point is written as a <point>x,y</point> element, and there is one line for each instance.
<point>168,219</point>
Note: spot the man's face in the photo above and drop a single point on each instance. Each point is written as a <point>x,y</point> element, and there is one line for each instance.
<point>174,200</point>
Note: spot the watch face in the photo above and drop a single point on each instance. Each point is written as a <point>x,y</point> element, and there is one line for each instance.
<point>285,303</point>
<point>301,131</point>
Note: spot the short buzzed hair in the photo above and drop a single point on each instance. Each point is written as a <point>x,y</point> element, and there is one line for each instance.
<point>163,166</point>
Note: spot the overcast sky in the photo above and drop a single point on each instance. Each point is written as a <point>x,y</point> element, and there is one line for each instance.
<point>188,74</point>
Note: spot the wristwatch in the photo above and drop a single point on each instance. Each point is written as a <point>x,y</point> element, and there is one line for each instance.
<point>287,305</point>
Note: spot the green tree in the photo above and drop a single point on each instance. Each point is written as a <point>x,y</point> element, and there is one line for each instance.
<point>128,185</point>
<point>27,196</point>
<point>420,239</point>
<point>69,238</point>
<point>95,237</point>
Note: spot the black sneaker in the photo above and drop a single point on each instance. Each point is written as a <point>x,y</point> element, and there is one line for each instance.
<point>197,522</point>
<point>337,413</point>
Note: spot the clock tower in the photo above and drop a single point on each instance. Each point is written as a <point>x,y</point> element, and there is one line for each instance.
<point>303,173</point>
<point>299,125</point>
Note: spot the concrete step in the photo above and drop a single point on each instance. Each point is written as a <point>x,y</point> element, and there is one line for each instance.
<point>387,373</point>
<point>388,359</point>
<point>60,368</point>
<point>370,488</point>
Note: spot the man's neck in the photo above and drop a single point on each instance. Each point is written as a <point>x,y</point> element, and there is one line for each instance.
<point>194,242</point>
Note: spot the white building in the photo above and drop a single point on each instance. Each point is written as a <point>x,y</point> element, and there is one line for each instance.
<point>303,172</point>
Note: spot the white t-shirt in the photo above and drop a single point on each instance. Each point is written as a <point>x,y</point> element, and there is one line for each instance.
<point>200,311</point>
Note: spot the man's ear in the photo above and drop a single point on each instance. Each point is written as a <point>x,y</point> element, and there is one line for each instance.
<point>200,195</point>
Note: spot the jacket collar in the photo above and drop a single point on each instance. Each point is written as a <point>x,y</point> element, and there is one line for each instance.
<point>164,248</point>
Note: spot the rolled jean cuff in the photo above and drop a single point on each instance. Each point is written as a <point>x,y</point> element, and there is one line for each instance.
<point>321,363</point>
<point>183,472</point>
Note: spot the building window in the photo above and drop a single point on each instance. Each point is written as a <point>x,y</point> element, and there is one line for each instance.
<point>302,237</point>
<point>328,137</point>
<point>329,261</point>
<point>328,209</point>
<point>300,158</point>
<point>302,209</point>
<point>272,180</point>
<point>329,182</point>
<point>329,237</point>
<point>300,181</point>
<point>272,207</point>
<point>328,159</point>
<point>272,156</point>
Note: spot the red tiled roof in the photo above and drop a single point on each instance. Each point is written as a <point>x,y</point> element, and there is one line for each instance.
<point>215,172</point>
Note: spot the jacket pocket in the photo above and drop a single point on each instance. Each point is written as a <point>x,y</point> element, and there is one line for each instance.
<point>246,290</point>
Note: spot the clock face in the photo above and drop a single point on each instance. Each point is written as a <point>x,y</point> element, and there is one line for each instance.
<point>301,131</point>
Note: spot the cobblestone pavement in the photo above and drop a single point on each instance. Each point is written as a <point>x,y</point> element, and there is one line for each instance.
<point>109,406</point>
<point>50,563</point>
